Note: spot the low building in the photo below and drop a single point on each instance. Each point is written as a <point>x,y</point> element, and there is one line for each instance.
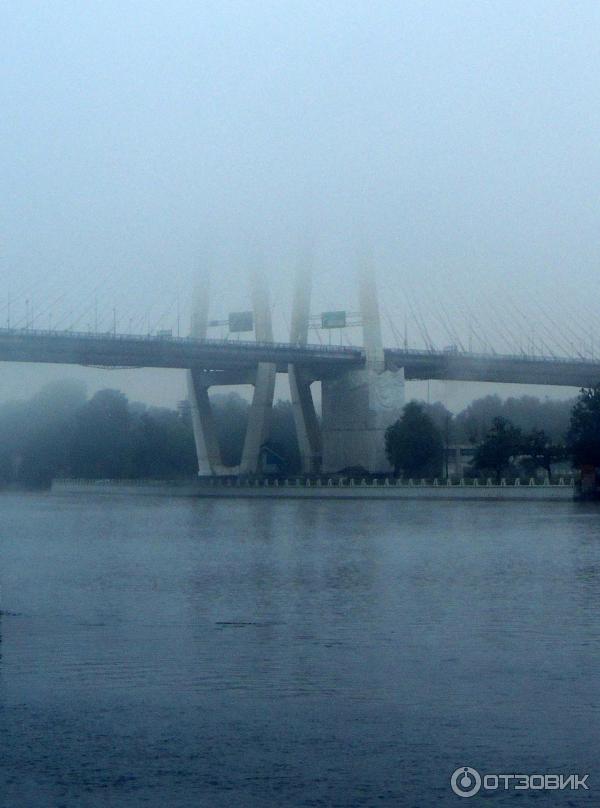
<point>459,457</point>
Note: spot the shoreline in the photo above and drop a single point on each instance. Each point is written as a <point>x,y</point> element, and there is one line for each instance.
<point>298,488</point>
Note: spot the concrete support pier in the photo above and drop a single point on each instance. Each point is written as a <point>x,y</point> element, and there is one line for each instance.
<point>308,430</point>
<point>259,416</point>
<point>208,451</point>
<point>359,405</point>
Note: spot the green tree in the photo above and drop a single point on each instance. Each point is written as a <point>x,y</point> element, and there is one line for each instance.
<point>542,452</point>
<point>162,444</point>
<point>526,412</point>
<point>35,434</point>
<point>413,444</point>
<point>282,436</point>
<point>583,437</point>
<point>499,448</point>
<point>101,439</point>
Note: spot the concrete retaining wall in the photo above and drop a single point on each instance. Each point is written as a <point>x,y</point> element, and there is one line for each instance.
<point>298,489</point>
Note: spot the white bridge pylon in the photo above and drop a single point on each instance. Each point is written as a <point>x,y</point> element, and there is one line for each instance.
<point>308,430</point>
<point>358,404</point>
<point>208,451</point>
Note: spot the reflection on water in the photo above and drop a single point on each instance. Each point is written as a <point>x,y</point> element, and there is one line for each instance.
<point>259,653</point>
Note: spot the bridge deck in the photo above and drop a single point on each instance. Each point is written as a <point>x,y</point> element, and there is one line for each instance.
<point>559,371</point>
<point>320,361</point>
<point>136,351</point>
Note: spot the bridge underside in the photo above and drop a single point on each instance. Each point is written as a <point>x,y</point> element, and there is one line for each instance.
<point>496,368</point>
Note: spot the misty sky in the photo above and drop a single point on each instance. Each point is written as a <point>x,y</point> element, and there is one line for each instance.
<point>455,142</point>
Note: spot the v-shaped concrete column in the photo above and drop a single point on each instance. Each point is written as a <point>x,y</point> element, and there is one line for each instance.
<point>208,451</point>
<point>308,430</point>
<point>203,422</point>
<point>259,416</point>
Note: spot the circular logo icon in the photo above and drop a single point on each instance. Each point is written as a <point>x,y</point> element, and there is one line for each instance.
<point>465,781</point>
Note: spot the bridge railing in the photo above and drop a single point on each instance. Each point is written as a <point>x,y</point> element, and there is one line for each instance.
<point>313,348</point>
<point>156,338</point>
<point>426,352</point>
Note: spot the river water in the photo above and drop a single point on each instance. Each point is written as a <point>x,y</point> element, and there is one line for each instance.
<point>170,653</point>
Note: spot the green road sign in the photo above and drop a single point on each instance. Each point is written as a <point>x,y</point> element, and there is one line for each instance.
<point>240,321</point>
<point>333,319</point>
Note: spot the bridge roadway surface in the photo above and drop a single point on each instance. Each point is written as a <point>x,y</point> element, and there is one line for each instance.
<point>228,358</point>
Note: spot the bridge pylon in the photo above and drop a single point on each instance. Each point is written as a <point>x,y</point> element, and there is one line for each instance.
<point>259,415</point>
<point>199,380</point>
<point>208,451</point>
<point>359,405</point>
<point>308,430</point>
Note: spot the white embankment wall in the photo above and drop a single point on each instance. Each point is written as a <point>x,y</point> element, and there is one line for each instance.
<point>301,488</point>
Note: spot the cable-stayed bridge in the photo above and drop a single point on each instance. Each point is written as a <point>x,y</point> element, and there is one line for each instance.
<point>362,388</point>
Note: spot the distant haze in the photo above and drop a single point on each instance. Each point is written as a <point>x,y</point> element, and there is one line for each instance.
<point>455,143</point>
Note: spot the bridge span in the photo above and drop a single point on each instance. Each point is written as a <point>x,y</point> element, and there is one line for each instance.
<point>232,360</point>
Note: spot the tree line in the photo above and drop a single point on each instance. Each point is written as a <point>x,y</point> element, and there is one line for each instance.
<point>61,432</point>
<point>539,435</point>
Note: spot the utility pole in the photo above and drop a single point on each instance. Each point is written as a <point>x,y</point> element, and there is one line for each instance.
<point>447,442</point>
